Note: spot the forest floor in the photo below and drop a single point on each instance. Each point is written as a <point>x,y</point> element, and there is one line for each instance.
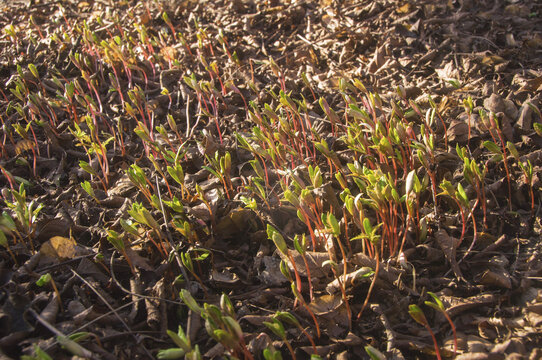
<point>343,179</point>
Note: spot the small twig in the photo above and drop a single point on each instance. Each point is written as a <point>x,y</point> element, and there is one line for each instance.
<point>170,239</point>
<point>114,278</point>
<point>113,310</point>
<point>187,116</point>
<point>390,334</point>
<point>197,122</point>
<point>83,352</point>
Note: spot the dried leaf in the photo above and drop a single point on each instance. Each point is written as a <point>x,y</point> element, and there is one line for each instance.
<point>60,247</point>
<point>497,277</point>
<point>449,244</point>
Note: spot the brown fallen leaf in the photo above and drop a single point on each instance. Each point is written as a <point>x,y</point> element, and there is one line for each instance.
<point>378,59</point>
<point>271,274</point>
<point>532,84</point>
<point>60,247</point>
<point>458,131</point>
<point>315,261</point>
<point>325,304</point>
<point>492,60</point>
<point>497,277</point>
<point>351,279</point>
<point>138,261</point>
<point>456,305</point>
<point>449,244</point>
<point>225,278</point>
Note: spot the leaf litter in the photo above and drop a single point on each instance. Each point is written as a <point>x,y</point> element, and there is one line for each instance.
<point>152,162</point>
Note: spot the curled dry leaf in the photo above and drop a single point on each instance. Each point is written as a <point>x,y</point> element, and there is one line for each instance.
<point>350,280</point>
<point>60,247</point>
<point>449,244</point>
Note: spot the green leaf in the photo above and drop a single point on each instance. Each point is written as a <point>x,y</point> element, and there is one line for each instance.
<point>455,83</point>
<point>128,226</point>
<point>137,213</point>
<point>173,353</point>
<point>512,148</point>
<point>180,339</point>
<point>367,227</point>
<point>276,327</point>
<point>287,318</point>
<point>189,301</point>
<point>233,326</point>
<point>202,254</point>
<point>88,189</point>
<point>297,245</point>
<point>437,304</point>
<point>285,271</point>
<point>149,220</point>
<point>74,347</point>
<point>114,238</point>
<point>3,240</point>
<point>187,261</point>
<point>410,181</point>
<point>462,195</point>
<point>41,355</point>
<point>374,354</point>
<point>226,305</point>
<point>85,166</point>
<point>292,198</point>
<point>44,280</point>
<point>175,204</point>
<point>296,292</point>
<point>277,238</point>
<point>80,336</point>
<point>468,104</point>
<point>335,227</point>
<point>492,147</point>
<point>34,70</point>
<point>271,354</point>
<point>417,314</point>
<point>225,338</point>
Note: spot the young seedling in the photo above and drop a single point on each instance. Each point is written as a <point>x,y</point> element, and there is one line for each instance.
<point>290,319</point>
<point>526,168</point>
<point>301,249</point>
<point>186,259</point>
<point>492,123</point>
<point>221,327</point>
<point>4,242</point>
<point>278,329</point>
<point>460,198</point>
<point>280,243</point>
<point>476,177</point>
<point>39,354</point>
<point>25,215</point>
<point>221,169</point>
<point>417,314</point>
<point>89,190</point>
<point>468,104</point>
<point>439,306</point>
<point>374,354</point>
<point>48,279</point>
<point>184,347</point>
<point>332,227</point>
<point>117,241</point>
<point>270,353</point>
<point>141,215</point>
<point>370,233</point>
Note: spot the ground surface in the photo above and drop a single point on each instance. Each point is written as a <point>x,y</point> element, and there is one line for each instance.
<point>106,96</point>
